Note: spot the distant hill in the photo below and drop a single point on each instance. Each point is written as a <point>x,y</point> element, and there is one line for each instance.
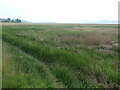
<point>103,22</point>
<point>90,22</point>
<point>2,19</point>
<point>24,21</point>
<point>45,22</point>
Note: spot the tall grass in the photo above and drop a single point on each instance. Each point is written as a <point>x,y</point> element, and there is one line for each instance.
<point>21,71</point>
<point>80,62</point>
<point>70,68</point>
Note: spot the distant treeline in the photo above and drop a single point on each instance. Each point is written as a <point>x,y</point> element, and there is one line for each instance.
<point>11,20</point>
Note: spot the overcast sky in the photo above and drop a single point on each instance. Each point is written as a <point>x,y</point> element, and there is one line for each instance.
<point>61,11</point>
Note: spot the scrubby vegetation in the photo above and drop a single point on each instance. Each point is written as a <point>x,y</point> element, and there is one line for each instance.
<point>60,56</point>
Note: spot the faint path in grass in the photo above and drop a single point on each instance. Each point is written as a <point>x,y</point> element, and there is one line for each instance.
<point>48,72</point>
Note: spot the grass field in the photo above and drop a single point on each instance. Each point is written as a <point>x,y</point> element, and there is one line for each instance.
<point>60,56</point>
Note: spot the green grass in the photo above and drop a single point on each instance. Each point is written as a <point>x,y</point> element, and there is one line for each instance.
<point>63,55</point>
<point>24,72</point>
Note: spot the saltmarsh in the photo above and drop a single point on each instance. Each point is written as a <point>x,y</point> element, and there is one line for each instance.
<point>77,56</point>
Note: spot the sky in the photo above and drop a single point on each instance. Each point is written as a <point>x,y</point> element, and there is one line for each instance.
<point>60,11</point>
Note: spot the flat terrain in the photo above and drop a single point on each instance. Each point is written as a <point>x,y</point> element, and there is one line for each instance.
<point>60,56</point>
